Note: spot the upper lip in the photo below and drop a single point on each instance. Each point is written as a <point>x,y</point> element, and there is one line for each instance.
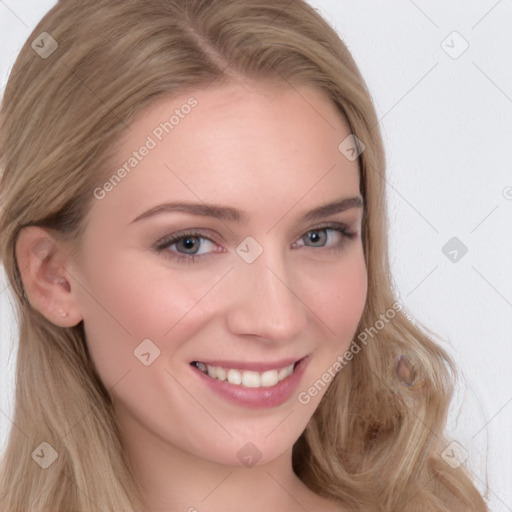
<point>252,365</point>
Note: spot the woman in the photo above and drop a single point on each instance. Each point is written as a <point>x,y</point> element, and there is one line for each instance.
<point>194,229</point>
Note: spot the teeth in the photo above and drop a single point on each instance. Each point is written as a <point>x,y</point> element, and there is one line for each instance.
<point>283,373</point>
<point>246,378</point>
<point>270,378</point>
<point>251,379</point>
<point>220,373</point>
<point>234,376</point>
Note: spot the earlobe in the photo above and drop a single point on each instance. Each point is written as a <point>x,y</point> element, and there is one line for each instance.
<point>42,260</point>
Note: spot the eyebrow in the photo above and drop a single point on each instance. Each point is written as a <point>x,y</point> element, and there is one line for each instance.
<point>227,213</point>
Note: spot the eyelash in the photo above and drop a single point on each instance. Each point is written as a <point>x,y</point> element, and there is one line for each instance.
<point>166,242</point>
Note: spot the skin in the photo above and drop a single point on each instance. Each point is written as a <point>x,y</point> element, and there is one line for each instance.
<point>273,153</point>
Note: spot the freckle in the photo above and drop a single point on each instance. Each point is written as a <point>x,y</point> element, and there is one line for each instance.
<point>405,372</point>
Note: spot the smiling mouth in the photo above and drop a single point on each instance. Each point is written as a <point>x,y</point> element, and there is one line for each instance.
<point>246,378</point>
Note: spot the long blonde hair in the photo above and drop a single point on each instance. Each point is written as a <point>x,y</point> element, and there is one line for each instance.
<point>373,443</point>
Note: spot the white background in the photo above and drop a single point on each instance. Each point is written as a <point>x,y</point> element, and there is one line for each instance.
<point>447,127</point>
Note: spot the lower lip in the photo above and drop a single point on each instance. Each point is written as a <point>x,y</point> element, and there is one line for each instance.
<point>257,398</point>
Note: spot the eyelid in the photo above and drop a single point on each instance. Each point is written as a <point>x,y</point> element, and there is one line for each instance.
<point>335,224</point>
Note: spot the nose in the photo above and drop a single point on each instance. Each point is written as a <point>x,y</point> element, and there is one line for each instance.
<point>266,301</point>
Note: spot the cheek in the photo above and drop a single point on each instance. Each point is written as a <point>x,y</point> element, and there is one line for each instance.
<point>339,302</point>
<point>125,302</point>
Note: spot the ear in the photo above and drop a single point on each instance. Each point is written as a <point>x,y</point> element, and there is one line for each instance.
<point>43,261</point>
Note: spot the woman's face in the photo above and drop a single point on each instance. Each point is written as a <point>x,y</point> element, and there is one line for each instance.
<point>262,279</point>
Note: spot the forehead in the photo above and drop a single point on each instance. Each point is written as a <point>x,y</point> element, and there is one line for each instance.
<point>237,143</point>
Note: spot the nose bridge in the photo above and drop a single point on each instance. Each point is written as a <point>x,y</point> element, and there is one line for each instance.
<point>266,303</point>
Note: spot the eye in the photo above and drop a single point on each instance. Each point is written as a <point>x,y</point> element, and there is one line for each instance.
<point>331,236</point>
<point>189,244</point>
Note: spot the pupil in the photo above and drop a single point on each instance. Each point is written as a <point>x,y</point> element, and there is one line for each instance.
<point>315,237</point>
<point>189,243</point>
